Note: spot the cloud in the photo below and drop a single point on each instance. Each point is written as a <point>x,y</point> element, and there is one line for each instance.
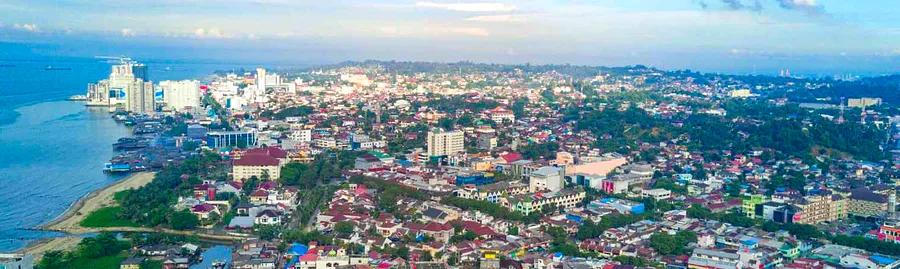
<point>214,33</point>
<point>753,5</point>
<point>127,32</point>
<point>30,27</point>
<point>811,7</point>
<point>498,18</point>
<point>468,7</point>
<point>388,30</point>
<point>466,31</point>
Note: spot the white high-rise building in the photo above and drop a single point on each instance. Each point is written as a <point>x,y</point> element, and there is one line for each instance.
<point>140,97</point>
<point>443,143</point>
<point>127,87</point>
<point>182,95</point>
<point>260,81</point>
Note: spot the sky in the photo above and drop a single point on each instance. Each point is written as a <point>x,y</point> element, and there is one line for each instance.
<point>730,36</point>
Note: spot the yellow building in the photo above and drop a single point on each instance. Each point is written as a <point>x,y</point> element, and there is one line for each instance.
<point>820,208</point>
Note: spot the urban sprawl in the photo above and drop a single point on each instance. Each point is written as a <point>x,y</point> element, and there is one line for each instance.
<point>463,165</point>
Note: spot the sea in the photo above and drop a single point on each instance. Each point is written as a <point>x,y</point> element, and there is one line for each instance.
<point>51,150</point>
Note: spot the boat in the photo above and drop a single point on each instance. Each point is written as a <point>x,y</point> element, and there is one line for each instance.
<point>218,265</point>
<point>128,143</point>
<point>78,97</point>
<point>52,68</point>
<point>116,167</point>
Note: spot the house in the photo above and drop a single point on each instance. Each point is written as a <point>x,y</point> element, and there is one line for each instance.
<point>205,211</point>
<point>260,163</point>
<point>176,263</point>
<point>131,263</point>
<point>268,217</point>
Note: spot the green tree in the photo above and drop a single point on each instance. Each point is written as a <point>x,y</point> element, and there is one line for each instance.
<point>343,228</point>
<point>183,220</point>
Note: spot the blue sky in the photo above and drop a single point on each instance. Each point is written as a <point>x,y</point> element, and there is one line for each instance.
<point>736,36</point>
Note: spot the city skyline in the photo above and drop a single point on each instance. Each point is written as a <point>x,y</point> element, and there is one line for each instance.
<point>733,36</point>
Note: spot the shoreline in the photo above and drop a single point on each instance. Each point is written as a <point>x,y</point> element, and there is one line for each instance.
<point>69,221</point>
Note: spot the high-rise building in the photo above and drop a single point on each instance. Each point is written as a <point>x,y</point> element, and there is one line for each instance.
<point>260,81</point>
<point>126,88</point>
<point>140,97</point>
<point>181,95</point>
<point>444,143</point>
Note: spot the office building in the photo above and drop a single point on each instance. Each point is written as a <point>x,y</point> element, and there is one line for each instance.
<point>127,87</point>
<point>443,143</point>
<point>140,98</point>
<point>547,178</point>
<point>260,81</point>
<point>182,95</point>
<point>230,139</point>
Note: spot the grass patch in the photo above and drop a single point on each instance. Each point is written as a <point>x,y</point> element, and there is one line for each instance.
<point>110,262</point>
<point>106,217</point>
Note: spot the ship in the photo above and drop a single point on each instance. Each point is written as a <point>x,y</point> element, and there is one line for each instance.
<point>53,68</point>
<point>128,143</point>
<point>78,97</point>
<point>117,167</point>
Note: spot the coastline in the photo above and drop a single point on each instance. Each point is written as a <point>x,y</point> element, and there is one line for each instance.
<point>69,221</point>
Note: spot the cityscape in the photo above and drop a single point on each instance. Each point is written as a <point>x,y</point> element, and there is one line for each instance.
<point>421,163</point>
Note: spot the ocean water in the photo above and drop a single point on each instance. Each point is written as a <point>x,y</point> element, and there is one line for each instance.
<point>52,151</point>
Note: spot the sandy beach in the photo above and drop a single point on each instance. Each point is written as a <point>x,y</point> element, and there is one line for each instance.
<point>69,221</point>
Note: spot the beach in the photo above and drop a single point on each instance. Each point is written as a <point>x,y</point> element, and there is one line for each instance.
<point>69,222</point>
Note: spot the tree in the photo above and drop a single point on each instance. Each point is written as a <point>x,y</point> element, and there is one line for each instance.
<point>426,256</point>
<point>676,244</point>
<point>183,220</point>
<point>268,232</point>
<point>343,228</point>
<point>402,252</point>
<point>52,260</point>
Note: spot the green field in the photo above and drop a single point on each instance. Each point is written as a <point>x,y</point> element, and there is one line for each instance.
<point>106,217</point>
<point>110,262</point>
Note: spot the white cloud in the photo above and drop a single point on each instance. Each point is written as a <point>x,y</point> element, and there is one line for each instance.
<point>469,7</point>
<point>388,30</point>
<point>30,27</point>
<point>811,7</point>
<point>498,18</point>
<point>214,33</point>
<point>127,32</point>
<point>466,31</point>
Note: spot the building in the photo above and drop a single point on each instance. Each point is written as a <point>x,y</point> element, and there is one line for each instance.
<point>259,162</point>
<point>748,205</point>
<point>866,203</point>
<point>182,95</point>
<point>527,204</point>
<point>131,263</point>
<point>443,143</point>
<point>657,194</point>
<point>863,102</point>
<point>501,115</point>
<point>815,209</point>
<point>492,192</point>
<point>487,142</point>
<point>547,178</point>
<point>16,261</point>
<point>127,87</point>
<point>714,259</point>
<point>260,81</point>
<point>620,205</point>
<point>231,139</point>
<point>140,98</point>
<point>742,93</point>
